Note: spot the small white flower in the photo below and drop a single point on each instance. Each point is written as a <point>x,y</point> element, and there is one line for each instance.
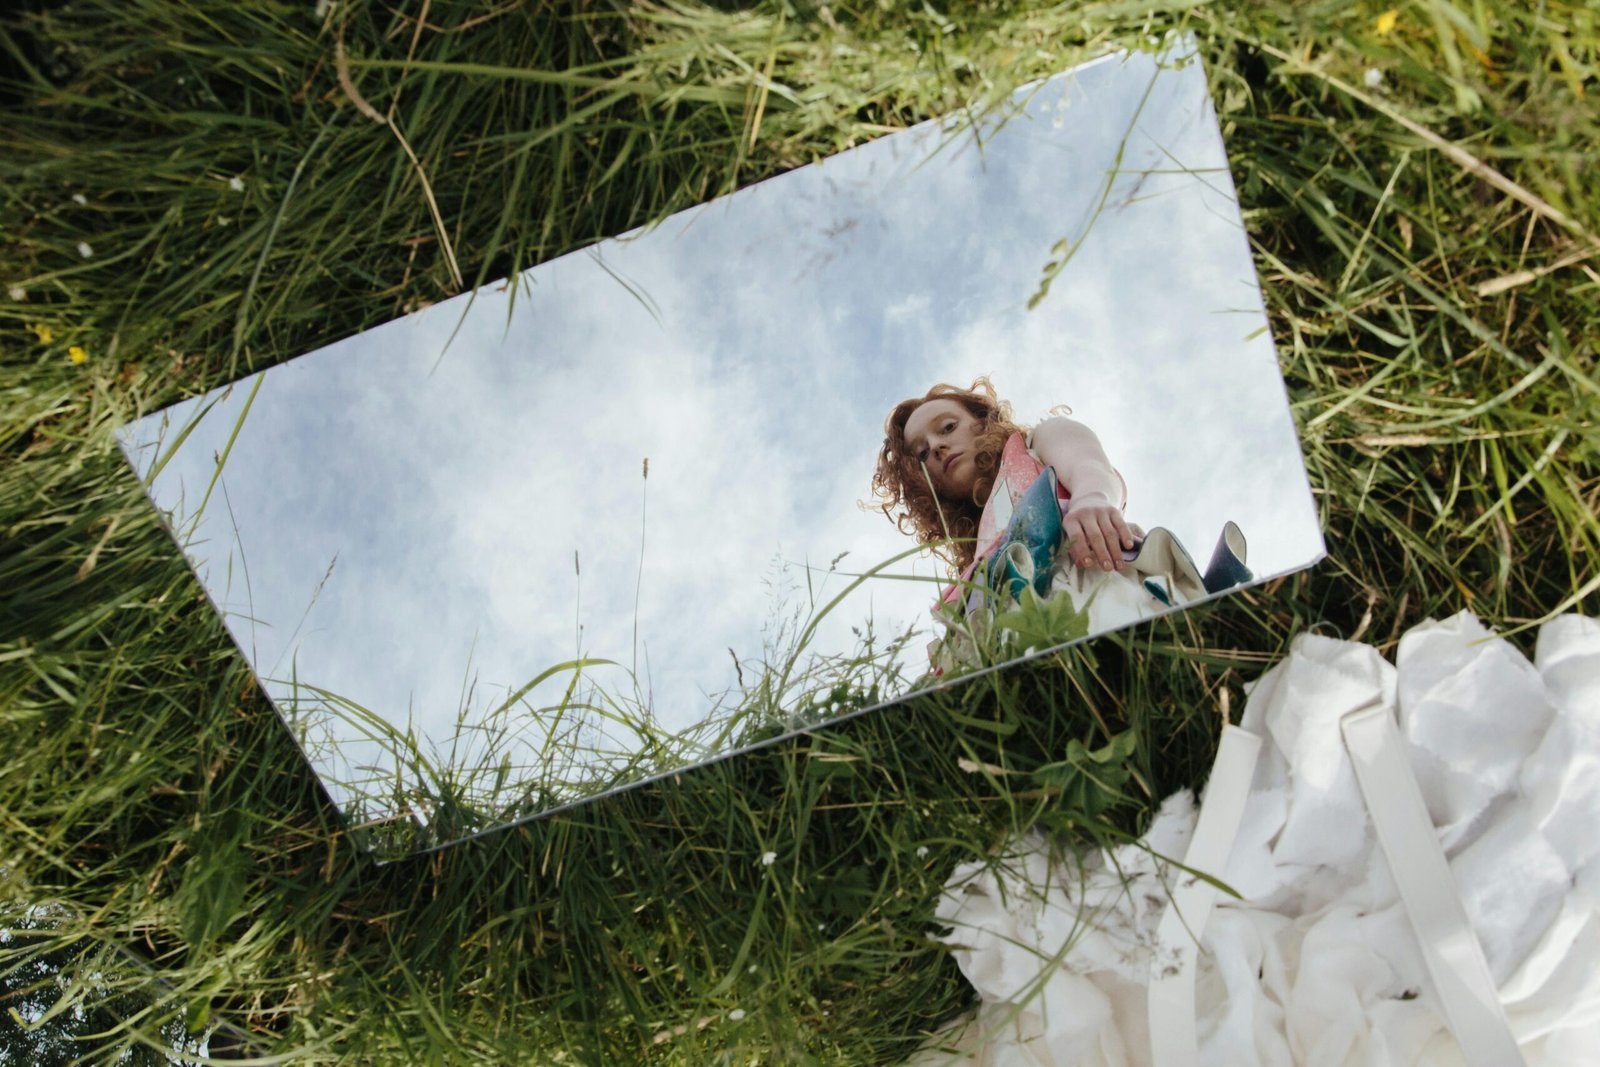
<point>768,859</point>
<point>17,292</point>
<point>236,183</point>
<point>1373,77</point>
<point>79,199</point>
<point>223,220</point>
<point>751,969</point>
<point>84,250</point>
<point>922,852</point>
<point>736,1014</point>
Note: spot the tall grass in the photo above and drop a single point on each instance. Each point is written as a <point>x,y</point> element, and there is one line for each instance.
<point>192,191</point>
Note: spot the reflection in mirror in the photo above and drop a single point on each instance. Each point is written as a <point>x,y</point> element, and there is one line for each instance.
<point>73,998</point>
<point>633,511</point>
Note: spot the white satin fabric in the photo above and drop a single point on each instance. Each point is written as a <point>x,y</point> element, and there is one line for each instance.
<point>1317,964</point>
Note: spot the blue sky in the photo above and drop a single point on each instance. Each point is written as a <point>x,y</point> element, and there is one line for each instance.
<point>454,486</point>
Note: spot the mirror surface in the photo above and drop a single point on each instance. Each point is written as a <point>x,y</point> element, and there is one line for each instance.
<point>555,537</point>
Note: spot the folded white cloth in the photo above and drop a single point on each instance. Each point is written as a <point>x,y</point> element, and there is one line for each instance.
<point>1317,964</point>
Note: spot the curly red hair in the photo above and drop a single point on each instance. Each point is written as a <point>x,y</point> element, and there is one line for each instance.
<point>904,493</point>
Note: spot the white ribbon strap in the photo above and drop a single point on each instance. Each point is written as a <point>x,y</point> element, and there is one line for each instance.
<point>1466,990</point>
<point>1173,1038</point>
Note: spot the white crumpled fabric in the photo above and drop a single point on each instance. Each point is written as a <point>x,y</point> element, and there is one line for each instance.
<point>1317,964</point>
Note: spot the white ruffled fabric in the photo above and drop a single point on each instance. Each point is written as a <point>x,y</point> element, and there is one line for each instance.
<point>1317,964</point>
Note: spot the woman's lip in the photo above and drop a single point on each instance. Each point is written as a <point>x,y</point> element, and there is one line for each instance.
<point>951,462</point>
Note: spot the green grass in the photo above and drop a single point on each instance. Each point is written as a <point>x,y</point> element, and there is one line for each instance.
<point>1429,261</point>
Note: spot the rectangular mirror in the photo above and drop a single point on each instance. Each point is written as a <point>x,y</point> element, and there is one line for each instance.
<point>615,516</point>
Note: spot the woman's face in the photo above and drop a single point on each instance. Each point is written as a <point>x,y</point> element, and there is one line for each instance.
<point>942,435</point>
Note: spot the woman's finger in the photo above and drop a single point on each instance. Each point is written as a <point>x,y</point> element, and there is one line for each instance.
<point>1096,541</point>
<point>1111,557</point>
<point>1123,532</point>
<point>1078,549</point>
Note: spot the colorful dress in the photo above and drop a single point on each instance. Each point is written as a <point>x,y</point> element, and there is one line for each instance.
<point>1018,547</point>
<point>1019,471</point>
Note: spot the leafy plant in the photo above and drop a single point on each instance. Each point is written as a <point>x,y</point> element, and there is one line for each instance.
<point>1089,782</point>
<point>1042,622</point>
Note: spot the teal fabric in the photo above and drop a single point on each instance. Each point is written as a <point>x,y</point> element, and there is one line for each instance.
<point>1036,526</point>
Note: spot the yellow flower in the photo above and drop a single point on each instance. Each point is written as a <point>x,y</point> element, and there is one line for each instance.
<point>77,355</point>
<point>44,333</point>
<point>1386,21</point>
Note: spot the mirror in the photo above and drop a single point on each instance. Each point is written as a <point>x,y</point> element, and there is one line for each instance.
<point>562,535</point>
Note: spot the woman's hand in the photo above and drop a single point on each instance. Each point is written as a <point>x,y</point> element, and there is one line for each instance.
<point>1093,525</point>
<point>1096,533</point>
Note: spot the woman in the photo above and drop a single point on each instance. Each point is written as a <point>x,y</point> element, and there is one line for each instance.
<point>955,472</point>
<point>941,454</point>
